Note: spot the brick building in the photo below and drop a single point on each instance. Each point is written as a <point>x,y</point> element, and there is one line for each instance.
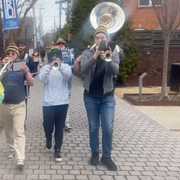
<point>150,41</point>
<point>141,14</point>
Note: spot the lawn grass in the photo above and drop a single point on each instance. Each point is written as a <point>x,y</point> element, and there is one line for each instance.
<point>135,90</point>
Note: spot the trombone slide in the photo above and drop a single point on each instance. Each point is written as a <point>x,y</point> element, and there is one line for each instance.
<point>3,70</point>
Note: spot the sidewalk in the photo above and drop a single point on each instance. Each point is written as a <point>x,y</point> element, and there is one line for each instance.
<point>167,116</point>
<point>142,148</point>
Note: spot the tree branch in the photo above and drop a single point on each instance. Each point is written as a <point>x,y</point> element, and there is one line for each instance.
<point>32,3</point>
<point>168,14</point>
<point>21,6</point>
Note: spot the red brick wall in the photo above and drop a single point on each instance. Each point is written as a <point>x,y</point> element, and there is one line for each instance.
<point>145,18</point>
<point>152,64</point>
<point>141,17</point>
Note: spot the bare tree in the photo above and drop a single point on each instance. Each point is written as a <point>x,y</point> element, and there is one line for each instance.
<point>168,15</point>
<point>23,7</point>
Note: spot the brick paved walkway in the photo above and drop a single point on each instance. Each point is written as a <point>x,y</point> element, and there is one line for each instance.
<point>143,150</point>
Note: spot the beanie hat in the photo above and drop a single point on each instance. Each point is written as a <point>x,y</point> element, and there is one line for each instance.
<point>12,47</point>
<point>53,54</point>
<point>101,29</point>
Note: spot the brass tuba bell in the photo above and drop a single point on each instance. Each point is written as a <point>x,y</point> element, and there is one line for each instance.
<point>109,15</point>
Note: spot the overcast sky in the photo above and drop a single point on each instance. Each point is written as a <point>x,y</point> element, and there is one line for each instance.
<point>50,11</point>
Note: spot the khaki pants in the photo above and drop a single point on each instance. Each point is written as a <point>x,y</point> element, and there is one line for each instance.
<point>12,117</point>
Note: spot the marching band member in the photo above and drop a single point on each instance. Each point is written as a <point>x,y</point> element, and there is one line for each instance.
<point>13,109</point>
<point>98,66</point>
<point>33,62</point>
<point>55,76</point>
<point>67,58</point>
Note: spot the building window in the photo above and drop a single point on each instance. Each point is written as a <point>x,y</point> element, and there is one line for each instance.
<point>144,2</point>
<point>157,2</point>
<point>148,3</point>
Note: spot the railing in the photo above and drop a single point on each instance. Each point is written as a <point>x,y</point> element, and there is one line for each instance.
<point>141,78</point>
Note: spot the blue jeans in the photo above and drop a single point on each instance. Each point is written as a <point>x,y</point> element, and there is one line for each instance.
<point>100,111</point>
<point>54,122</point>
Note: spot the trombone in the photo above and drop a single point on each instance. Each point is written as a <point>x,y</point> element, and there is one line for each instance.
<point>4,68</point>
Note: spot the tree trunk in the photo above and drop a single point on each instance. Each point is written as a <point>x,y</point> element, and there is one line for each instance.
<point>13,36</point>
<point>164,90</point>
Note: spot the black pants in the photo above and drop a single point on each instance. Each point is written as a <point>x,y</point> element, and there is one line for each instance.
<point>54,119</point>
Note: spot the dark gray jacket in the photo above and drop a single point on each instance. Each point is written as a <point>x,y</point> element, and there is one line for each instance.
<point>87,68</point>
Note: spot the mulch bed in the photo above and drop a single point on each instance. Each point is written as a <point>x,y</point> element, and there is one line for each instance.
<point>152,100</point>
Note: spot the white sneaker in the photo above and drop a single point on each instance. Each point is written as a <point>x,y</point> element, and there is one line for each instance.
<point>59,159</point>
<point>20,164</point>
<point>11,156</point>
<point>11,152</point>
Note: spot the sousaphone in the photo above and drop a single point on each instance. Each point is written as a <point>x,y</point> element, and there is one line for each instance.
<point>109,15</point>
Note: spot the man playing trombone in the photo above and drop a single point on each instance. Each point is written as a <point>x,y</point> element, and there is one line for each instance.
<point>13,109</point>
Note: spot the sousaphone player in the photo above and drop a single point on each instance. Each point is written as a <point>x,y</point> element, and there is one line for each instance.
<point>98,66</point>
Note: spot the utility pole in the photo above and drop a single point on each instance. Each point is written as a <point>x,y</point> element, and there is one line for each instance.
<point>40,21</point>
<point>68,11</point>
<point>35,30</point>
<point>60,2</point>
<point>1,37</point>
<point>40,26</point>
<point>54,24</point>
<point>2,34</point>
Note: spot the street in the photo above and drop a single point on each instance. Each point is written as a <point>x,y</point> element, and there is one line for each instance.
<point>142,149</point>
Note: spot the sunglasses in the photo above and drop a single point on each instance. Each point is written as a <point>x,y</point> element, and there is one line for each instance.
<point>11,54</point>
<point>60,43</point>
<point>35,55</point>
<point>100,37</point>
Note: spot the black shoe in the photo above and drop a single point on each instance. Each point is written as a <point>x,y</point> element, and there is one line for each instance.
<point>48,144</point>
<point>94,159</point>
<point>108,162</point>
<point>57,156</point>
<point>67,129</point>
